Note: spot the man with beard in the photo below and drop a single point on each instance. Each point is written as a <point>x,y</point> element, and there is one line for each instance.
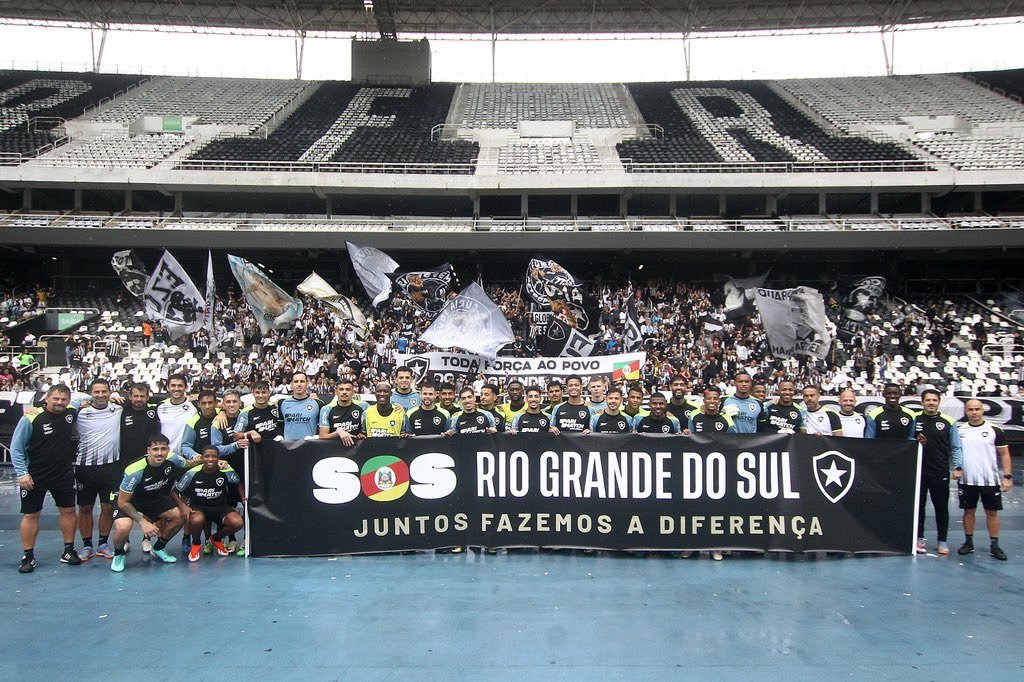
<point>43,453</point>
<point>342,418</point>
<point>427,419</point>
<point>610,419</point>
<point>817,419</point>
<point>987,473</point>
<point>659,420</point>
<point>144,498</point>
<point>175,411</point>
<point>941,448</point>
<point>678,406</point>
<point>446,397</point>
<point>97,466</point>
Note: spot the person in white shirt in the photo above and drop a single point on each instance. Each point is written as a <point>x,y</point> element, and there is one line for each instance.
<point>986,474</point>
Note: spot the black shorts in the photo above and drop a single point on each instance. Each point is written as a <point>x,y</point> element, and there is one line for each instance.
<point>152,509</point>
<point>990,495</point>
<point>100,480</point>
<point>216,514</point>
<point>62,492</point>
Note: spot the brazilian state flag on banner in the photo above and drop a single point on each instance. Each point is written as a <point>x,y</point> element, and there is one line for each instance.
<point>626,371</point>
<point>384,478</point>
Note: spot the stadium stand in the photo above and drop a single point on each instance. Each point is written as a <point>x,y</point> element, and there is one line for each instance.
<point>983,129</point>
<point>504,105</point>
<point>549,156</point>
<point>247,102</point>
<point>738,122</point>
<point>34,104</point>
<point>346,127</point>
<point>136,151</point>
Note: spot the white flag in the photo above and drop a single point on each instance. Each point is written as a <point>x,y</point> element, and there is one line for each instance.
<point>795,321</point>
<point>173,299</point>
<point>317,287</point>
<point>211,295</point>
<point>272,307</point>
<point>472,322</point>
<point>373,266</point>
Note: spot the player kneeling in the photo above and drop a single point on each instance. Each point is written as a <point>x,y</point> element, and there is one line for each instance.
<point>202,495</point>
<point>145,498</point>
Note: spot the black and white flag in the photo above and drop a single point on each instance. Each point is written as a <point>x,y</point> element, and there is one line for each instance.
<point>132,272</point>
<point>864,298</point>
<point>561,340</point>
<point>172,298</point>
<point>795,321</point>
<point>427,289</point>
<point>344,307</point>
<point>550,285</point>
<point>634,339</point>
<point>373,267</point>
<point>472,322</point>
<point>739,295</point>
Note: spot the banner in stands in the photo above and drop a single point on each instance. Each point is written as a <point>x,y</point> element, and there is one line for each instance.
<point>624,492</point>
<point>454,366</point>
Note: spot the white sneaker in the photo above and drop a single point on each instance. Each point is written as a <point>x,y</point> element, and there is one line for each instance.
<point>147,545</point>
<point>716,555</point>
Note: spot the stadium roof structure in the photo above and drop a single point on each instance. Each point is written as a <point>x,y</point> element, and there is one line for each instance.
<point>512,17</point>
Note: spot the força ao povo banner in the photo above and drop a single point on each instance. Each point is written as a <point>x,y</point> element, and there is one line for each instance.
<point>452,366</point>
<point>626,492</point>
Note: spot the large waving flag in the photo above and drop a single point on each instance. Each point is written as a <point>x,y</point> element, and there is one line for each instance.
<point>561,340</point>
<point>210,310</point>
<point>549,284</point>
<point>273,308</point>
<point>633,339</point>
<point>172,298</point>
<point>427,289</point>
<point>317,287</point>
<point>739,295</point>
<point>472,322</point>
<point>373,267</point>
<point>132,272</point>
<point>795,321</point>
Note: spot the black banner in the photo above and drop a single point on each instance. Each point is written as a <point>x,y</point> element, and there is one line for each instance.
<point>629,492</point>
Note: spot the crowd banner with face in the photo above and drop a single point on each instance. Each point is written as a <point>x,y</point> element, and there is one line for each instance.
<point>271,306</point>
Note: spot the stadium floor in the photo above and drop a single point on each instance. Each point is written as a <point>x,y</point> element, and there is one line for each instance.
<point>521,615</point>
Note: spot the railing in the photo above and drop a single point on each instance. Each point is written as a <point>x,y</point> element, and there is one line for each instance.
<point>1005,349</point>
<point>709,224</point>
<point>5,455</point>
<point>325,167</point>
<point>876,166</point>
<point>12,352</point>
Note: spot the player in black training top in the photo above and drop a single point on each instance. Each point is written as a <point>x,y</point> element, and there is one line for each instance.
<point>139,421</point>
<point>202,495</point>
<point>261,419</point>
<point>572,416</point>
<point>891,421</point>
<point>144,498</point>
<point>658,421</point>
<point>469,419</point>
<point>489,403</point>
<point>427,418</point>
<point>783,416</point>
<point>610,419</point>
<point>342,418</point>
<point>533,420</point>
<point>678,406</point>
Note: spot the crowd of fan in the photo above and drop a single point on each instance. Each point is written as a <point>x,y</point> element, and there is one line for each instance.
<point>674,321</point>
